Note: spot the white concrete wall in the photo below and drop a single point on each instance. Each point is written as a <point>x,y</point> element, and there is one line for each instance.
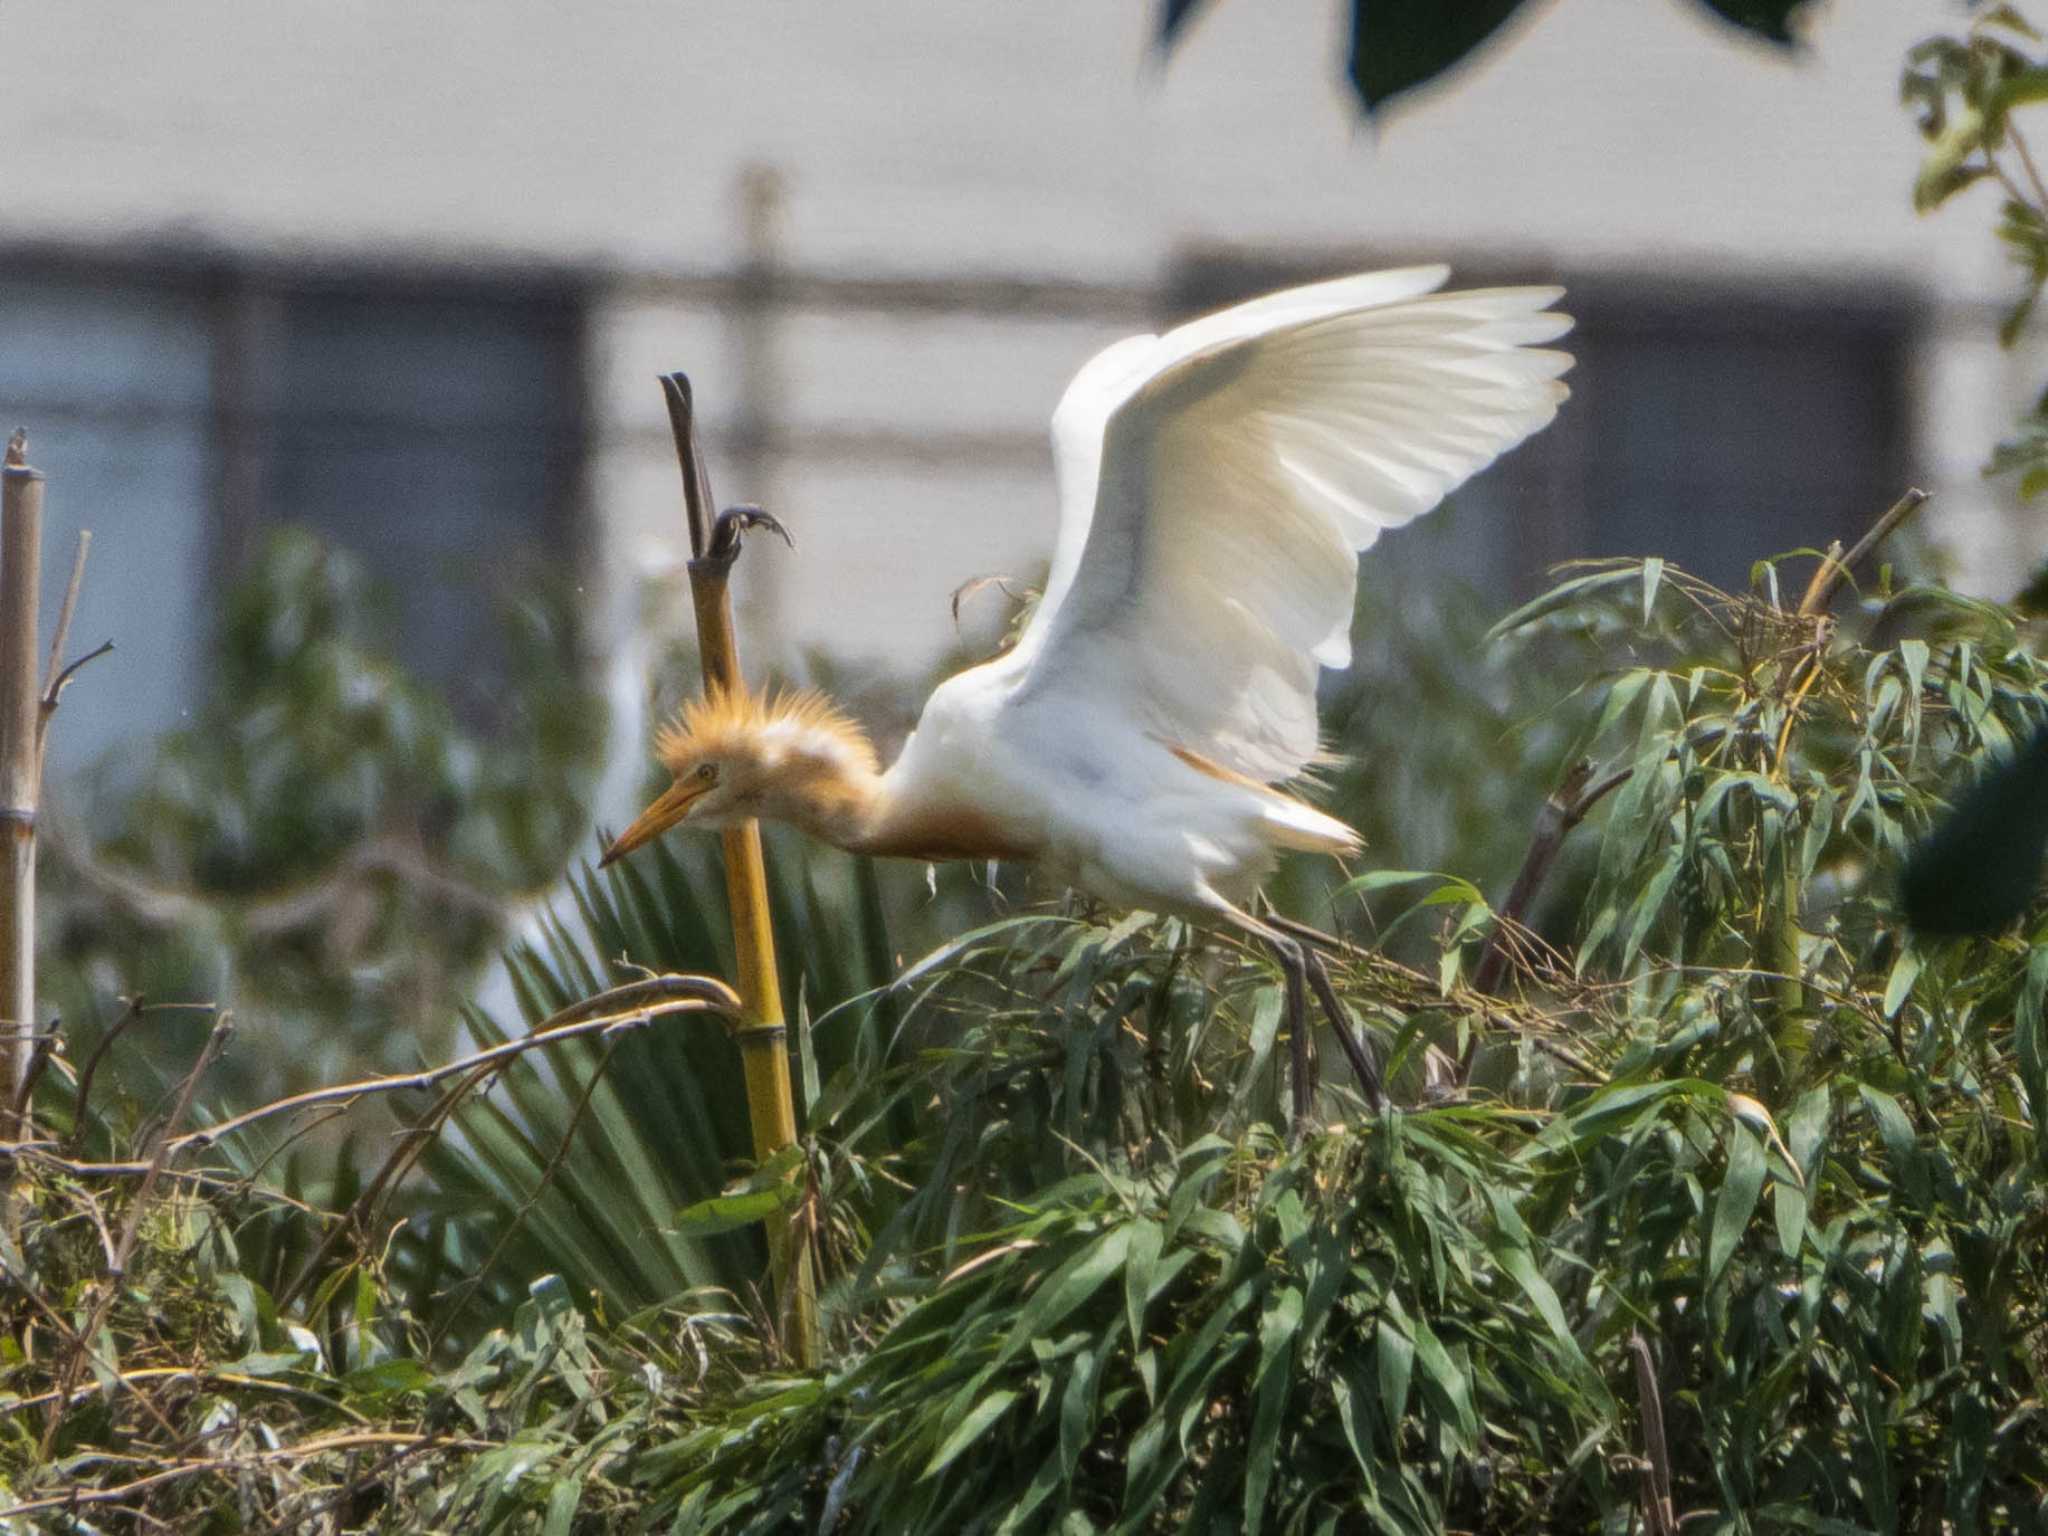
<point>1042,139</point>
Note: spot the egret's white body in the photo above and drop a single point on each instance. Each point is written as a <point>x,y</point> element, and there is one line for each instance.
<point>1216,485</point>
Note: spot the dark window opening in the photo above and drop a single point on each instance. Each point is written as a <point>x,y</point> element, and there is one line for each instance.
<point>433,426</point>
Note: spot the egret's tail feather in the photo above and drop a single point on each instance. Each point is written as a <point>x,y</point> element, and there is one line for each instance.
<point>1292,823</point>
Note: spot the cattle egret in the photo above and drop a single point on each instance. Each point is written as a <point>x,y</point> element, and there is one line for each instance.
<point>1216,485</point>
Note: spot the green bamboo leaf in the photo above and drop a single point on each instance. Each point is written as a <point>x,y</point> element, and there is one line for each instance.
<point>387,1380</point>
<point>729,1213</point>
<point>1740,1187</point>
<point>1077,1404</point>
<point>2030,1027</point>
<point>1653,573</point>
<point>1449,887</point>
<point>1139,1266</point>
<point>263,1363</point>
<point>1618,1106</point>
<point>1913,655</point>
<point>1620,695</point>
<point>2018,90</point>
<point>1905,971</point>
<point>1820,827</point>
<point>1067,1287</point>
<point>1649,905</point>
<point>1788,1207</point>
<point>953,949</point>
<point>1759,785</point>
<point>1354,1403</point>
<point>1901,1145</point>
<point>984,1413</point>
<point>1512,1253</point>
<point>1446,1382</point>
<point>1394,1354</point>
<point>1278,1326</point>
<point>564,1494</point>
<point>1563,596</point>
<point>1806,1129</point>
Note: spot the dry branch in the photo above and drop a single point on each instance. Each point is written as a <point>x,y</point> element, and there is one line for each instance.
<point>1563,809</point>
<point>1835,567</point>
<point>1660,1516</point>
<point>625,1007</point>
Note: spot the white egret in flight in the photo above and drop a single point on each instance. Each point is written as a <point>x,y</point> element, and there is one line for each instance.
<point>1216,484</point>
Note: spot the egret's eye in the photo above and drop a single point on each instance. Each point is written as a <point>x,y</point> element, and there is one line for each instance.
<point>707,773</point>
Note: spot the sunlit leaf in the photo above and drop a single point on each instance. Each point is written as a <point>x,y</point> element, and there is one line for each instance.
<point>1736,1202</point>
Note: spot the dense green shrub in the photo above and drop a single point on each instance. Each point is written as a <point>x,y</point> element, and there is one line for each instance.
<point>1076,1280</point>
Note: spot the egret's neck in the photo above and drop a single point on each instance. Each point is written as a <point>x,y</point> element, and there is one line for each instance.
<point>841,804</point>
<point>909,818</point>
<point>846,802</point>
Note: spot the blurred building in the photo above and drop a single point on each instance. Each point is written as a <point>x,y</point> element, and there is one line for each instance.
<point>409,272</point>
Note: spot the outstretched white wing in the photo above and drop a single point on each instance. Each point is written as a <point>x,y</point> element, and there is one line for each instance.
<point>1217,482</point>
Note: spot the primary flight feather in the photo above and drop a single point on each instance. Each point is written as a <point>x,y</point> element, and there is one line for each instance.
<point>1216,485</point>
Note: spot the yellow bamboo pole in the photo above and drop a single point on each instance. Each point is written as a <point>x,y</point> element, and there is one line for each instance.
<point>762,1035</point>
<point>21,533</point>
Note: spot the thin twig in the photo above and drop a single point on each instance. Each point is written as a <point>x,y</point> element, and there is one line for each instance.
<point>642,1002</point>
<point>124,1248</point>
<point>63,678</point>
<point>118,1380</point>
<point>81,1119</point>
<point>351,1440</point>
<point>460,1294</point>
<point>57,677</point>
<point>65,610</point>
<point>200,1178</point>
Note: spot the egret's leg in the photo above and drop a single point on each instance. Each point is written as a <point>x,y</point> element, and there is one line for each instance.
<point>1356,1051</point>
<point>1294,967</point>
<point>1302,1074</point>
<point>1285,937</point>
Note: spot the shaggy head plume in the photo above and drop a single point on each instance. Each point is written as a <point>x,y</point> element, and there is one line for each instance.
<point>800,723</point>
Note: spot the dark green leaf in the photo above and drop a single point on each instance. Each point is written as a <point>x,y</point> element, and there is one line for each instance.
<point>984,1412</point>
<point>1769,19</point>
<point>1397,45</point>
<point>1740,1187</point>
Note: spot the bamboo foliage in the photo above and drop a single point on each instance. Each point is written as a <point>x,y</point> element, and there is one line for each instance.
<point>1671,1255</point>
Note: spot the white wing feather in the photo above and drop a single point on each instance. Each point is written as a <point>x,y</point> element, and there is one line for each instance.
<point>1217,482</point>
